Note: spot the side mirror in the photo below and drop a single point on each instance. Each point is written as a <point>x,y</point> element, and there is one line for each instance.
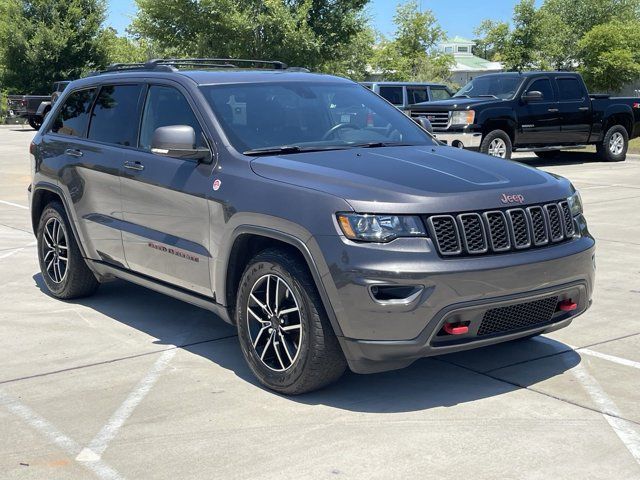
<point>424,123</point>
<point>178,141</point>
<point>532,96</point>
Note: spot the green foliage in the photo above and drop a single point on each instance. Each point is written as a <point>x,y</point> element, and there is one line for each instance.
<point>124,49</point>
<point>411,55</point>
<point>521,48</point>
<point>492,39</point>
<point>311,33</point>
<point>610,55</point>
<point>42,41</point>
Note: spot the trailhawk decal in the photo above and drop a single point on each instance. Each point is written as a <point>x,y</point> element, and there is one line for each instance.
<point>173,251</point>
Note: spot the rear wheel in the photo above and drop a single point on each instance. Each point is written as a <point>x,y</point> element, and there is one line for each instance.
<point>497,144</point>
<point>284,333</point>
<point>63,269</point>
<point>614,145</point>
<point>35,122</point>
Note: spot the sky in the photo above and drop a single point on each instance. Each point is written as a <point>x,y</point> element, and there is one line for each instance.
<point>456,17</point>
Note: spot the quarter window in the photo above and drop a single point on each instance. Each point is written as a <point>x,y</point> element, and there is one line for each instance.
<point>73,116</point>
<point>570,89</point>
<point>115,115</point>
<point>166,106</point>
<point>392,94</point>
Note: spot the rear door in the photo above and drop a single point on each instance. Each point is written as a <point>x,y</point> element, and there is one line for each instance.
<point>539,120</point>
<point>575,109</point>
<point>393,94</point>
<point>90,174</point>
<point>417,94</point>
<point>166,212</point>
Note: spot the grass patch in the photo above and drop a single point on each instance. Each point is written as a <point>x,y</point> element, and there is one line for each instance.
<point>634,146</point>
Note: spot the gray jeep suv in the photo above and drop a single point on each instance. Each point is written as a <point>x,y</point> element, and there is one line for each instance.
<point>330,228</point>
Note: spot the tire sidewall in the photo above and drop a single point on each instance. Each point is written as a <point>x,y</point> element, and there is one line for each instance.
<point>55,211</point>
<point>488,138</point>
<point>276,380</point>
<point>606,152</point>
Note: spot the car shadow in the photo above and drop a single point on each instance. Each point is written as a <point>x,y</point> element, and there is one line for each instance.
<point>442,381</point>
<point>29,129</point>
<point>574,157</point>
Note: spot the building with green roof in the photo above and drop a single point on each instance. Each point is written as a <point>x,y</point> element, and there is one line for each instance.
<point>467,64</point>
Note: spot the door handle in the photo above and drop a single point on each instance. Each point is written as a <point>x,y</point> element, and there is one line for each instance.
<point>553,110</point>
<point>583,109</point>
<point>134,166</point>
<point>73,152</point>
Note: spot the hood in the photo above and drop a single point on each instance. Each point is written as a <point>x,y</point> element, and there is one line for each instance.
<point>413,179</point>
<point>459,103</point>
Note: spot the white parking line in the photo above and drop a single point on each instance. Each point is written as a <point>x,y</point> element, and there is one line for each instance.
<point>624,429</point>
<point>17,250</point>
<point>611,358</point>
<point>55,436</point>
<point>14,204</point>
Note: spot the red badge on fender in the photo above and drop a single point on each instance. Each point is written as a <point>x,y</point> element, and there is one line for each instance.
<point>216,184</point>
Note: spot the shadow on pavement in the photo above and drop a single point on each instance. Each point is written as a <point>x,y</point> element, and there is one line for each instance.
<point>576,157</point>
<point>431,382</point>
<point>28,129</point>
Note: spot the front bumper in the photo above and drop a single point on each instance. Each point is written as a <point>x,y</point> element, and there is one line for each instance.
<point>378,336</point>
<point>462,139</point>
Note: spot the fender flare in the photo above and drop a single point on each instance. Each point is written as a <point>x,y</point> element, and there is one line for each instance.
<point>291,240</point>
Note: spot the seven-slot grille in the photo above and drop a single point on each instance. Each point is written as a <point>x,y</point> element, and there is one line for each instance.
<point>439,120</point>
<point>498,231</point>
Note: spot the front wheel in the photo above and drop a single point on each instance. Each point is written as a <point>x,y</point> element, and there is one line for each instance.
<point>614,145</point>
<point>35,122</point>
<point>497,144</point>
<point>284,333</point>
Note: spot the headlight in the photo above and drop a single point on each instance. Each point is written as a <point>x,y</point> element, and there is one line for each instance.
<point>463,117</point>
<point>575,203</point>
<point>380,228</point>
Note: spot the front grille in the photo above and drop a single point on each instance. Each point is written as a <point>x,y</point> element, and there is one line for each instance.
<point>497,231</point>
<point>518,316</point>
<point>439,120</point>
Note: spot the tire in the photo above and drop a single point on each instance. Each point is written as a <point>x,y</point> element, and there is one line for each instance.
<point>614,145</point>
<point>278,365</point>
<point>35,122</point>
<point>497,141</point>
<point>72,279</point>
<point>548,154</point>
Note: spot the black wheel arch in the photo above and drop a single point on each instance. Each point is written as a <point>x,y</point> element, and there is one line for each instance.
<point>247,241</point>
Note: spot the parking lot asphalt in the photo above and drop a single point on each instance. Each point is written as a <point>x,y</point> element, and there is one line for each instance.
<point>132,384</point>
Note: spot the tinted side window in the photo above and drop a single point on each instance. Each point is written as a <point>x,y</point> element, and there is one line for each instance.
<point>167,106</point>
<point>570,89</point>
<point>392,94</point>
<point>73,117</point>
<point>440,93</point>
<point>115,115</point>
<point>417,95</point>
<point>543,85</point>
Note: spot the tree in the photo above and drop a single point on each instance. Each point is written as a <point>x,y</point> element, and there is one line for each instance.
<point>492,39</point>
<point>122,49</point>
<point>411,54</point>
<point>521,49</point>
<point>610,55</point>
<point>310,33</point>
<point>42,41</point>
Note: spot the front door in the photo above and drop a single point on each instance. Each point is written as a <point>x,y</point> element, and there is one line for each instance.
<point>539,120</point>
<point>166,213</point>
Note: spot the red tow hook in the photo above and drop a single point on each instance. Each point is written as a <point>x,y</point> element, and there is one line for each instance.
<point>567,305</point>
<point>455,329</point>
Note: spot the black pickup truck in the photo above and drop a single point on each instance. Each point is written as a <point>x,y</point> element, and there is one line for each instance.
<point>35,107</point>
<point>540,112</point>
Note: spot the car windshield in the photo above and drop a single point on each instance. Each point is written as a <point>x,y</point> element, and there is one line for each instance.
<point>502,86</point>
<point>293,117</point>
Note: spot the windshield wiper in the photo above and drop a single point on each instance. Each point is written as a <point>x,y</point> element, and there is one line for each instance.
<point>489,96</point>
<point>288,149</point>
<point>460,96</point>
<point>379,144</point>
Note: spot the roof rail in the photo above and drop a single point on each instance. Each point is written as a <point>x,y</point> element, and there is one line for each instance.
<point>174,64</point>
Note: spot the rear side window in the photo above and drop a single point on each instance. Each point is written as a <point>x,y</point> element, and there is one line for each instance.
<point>570,89</point>
<point>166,106</point>
<point>73,117</point>
<point>392,94</point>
<point>417,95</point>
<point>115,115</point>
<point>440,93</point>
<point>543,85</point>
